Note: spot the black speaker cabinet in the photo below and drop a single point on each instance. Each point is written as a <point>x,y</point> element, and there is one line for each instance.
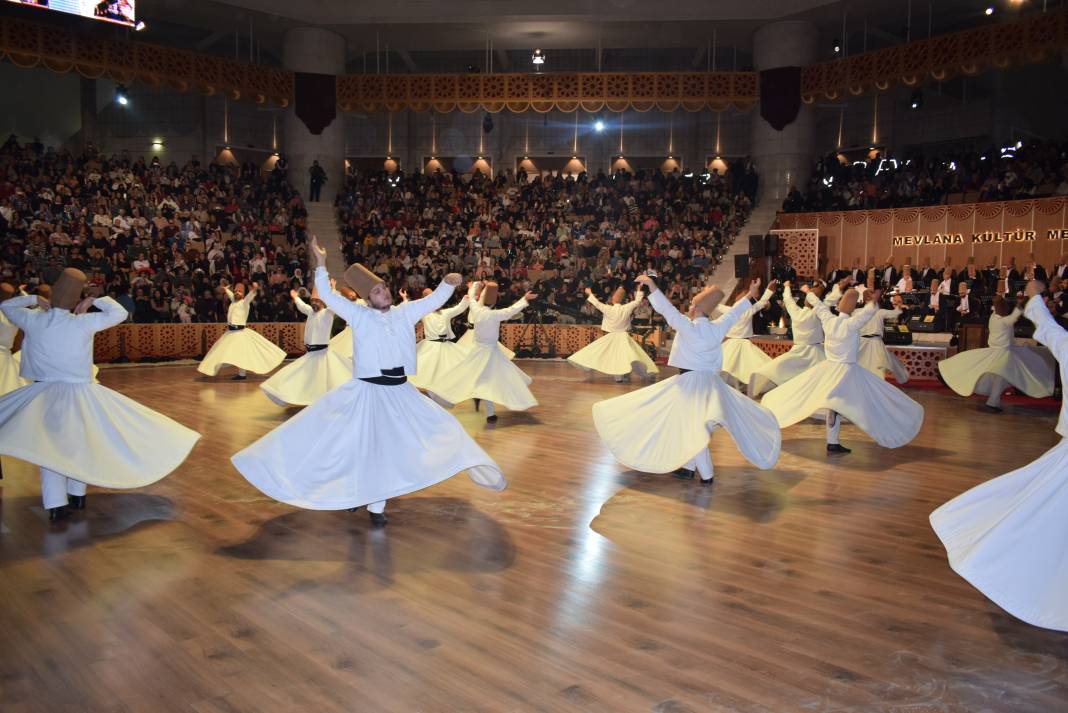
<point>741,266</point>
<point>771,244</point>
<point>756,246</point>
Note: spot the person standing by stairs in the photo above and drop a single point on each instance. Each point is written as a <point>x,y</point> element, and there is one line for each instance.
<point>318,178</point>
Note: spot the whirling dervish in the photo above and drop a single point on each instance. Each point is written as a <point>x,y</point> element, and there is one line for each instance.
<point>741,358</point>
<point>239,346</point>
<point>665,427</point>
<point>807,349</point>
<point>437,353</point>
<point>616,353</point>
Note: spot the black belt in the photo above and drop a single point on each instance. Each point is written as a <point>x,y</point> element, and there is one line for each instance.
<point>871,336</point>
<point>234,327</point>
<point>440,339</point>
<point>684,371</point>
<point>390,377</point>
<point>315,347</point>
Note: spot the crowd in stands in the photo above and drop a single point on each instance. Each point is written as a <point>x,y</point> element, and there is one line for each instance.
<point>164,239</point>
<point>1026,170</point>
<point>160,238</point>
<point>553,235</point>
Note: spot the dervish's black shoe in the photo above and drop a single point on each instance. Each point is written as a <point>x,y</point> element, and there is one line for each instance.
<point>707,483</point>
<point>491,419</point>
<point>55,514</point>
<point>378,519</point>
<point>683,474</point>
<point>238,378</point>
<point>477,402</point>
<point>77,502</point>
<point>837,448</point>
<point>991,409</point>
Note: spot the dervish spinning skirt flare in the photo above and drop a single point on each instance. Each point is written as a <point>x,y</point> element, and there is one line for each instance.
<point>876,358</point>
<point>784,367</point>
<point>9,372</point>
<point>467,343</point>
<point>879,409</point>
<point>616,353</point>
<point>243,349</point>
<point>662,427</point>
<point>1027,369</point>
<point>308,378</point>
<point>90,433</point>
<point>434,361</point>
<point>362,443</point>
<point>486,373</point>
<point>1007,538</point>
<point>742,358</point>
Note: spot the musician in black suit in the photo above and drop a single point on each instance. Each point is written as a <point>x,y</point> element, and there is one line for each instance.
<point>1034,271</point>
<point>859,274</point>
<point>887,276</point>
<point>927,273</point>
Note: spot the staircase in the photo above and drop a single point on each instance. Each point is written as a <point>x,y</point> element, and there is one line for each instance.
<point>322,223</point>
<point>760,221</point>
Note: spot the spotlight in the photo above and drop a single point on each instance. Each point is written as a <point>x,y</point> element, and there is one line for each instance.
<point>837,46</point>
<point>538,57</point>
<point>140,26</point>
<point>917,99</point>
<point>598,126</point>
<point>122,96</point>
<point>989,10</point>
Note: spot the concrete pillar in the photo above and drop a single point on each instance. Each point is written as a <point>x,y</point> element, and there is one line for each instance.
<point>90,132</point>
<point>310,49</point>
<point>784,158</point>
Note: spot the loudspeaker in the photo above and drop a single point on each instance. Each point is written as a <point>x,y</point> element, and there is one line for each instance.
<point>756,246</point>
<point>741,266</point>
<point>771,244</point>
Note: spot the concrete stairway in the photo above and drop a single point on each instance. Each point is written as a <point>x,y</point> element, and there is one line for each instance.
<point>760,221</point>
<point>322,223</point>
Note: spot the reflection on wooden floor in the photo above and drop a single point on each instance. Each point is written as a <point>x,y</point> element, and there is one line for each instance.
<point>817,586</point>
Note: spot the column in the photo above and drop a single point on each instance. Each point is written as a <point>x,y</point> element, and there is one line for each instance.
<point>310,49</point>
<point>784,158</point>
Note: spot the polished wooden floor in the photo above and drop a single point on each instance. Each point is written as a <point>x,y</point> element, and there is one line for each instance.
<point>817,586</point>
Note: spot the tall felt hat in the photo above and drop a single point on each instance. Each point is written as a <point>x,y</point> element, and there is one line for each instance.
<point>848,301</point>
<point>361,279</point>
<point>67,290</point>
<point>707,300</point>
<point>7,291</point>
<point>489,294</point>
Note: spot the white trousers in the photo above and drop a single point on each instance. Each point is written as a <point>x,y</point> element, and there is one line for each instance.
<point>488,405</point>
<point>56,487</point>
<point>834,423</point>
<point>241,372</point>
<point>378,507</point>
<point>703,463</point>
<point>997,389</point>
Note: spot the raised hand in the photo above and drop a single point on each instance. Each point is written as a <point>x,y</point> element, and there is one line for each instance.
<point>588,291</point>
<point>647,281</point>
<point>530,296</point>
<point>294,294</point>
<point>83,306</point>
<point>754,288</point>
<point>804,288</point>
<point>318,252</point>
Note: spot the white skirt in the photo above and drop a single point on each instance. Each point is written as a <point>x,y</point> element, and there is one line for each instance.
<point>616,353</point>
<point>308,378</point>
<point>1009,538</point>
<point>362,443</point>
<point>433,360</point>
<point>876,358</point>
<point>244,349</point>
<point>341,343</point>
<point>881,410</point>
<point>9,372</point>
<point>1028,370</point>
<point>467,343</point>
<point>90,433</point>
<point>785,367</point>
<point>486,373</point>
<point>662,427</point>
<point>741,358</point>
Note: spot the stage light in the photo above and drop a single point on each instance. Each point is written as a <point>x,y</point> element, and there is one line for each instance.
<point>121,95</point>
<point>598,126</point>
<point>989,10</point>
<point>140,26</point>
<point>538,58</point>
<point>917,99</point>
<point>837,46</point>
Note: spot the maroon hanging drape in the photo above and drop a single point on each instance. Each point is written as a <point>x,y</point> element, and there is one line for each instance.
<point>780,96</point>
<point>315,99</point>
